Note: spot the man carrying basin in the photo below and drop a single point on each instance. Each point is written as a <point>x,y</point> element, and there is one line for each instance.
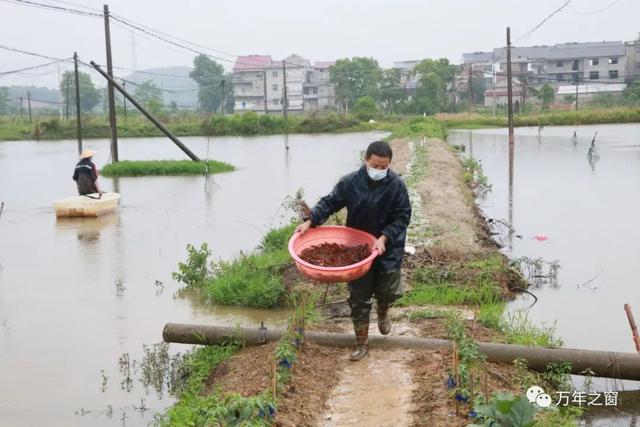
<point>377,202</point>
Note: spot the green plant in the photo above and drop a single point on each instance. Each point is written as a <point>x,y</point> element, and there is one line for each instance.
<point>164,167</point>
<point>557,376</point>
<point>194,272</point>
<point>505,410</point>
<point>519,329</point>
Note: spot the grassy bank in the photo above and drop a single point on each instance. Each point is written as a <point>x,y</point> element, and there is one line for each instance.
<point>164,168</point>
<point>250,280</point>
<point>550,118</point>
<point>185,125</point>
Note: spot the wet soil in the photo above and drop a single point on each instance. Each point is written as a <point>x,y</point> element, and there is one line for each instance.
<point>381,380</point>
<point>301,404</point>
<point>334,254</point>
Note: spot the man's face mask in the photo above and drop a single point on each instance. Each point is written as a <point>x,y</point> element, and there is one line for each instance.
<point>376,174</point>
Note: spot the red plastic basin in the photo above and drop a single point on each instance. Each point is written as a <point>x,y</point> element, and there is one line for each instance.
<point>332,234</point>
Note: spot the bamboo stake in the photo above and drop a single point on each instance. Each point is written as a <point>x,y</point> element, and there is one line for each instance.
<point>471,391</point>
<point>486,387</point>
<point>634,328</point>
<point>275,379</point>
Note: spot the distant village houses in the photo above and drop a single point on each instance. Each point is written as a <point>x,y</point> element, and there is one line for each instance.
<point>586,69</point>
<point>259,80</point>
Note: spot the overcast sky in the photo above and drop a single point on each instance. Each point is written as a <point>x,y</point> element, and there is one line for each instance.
<point>323,30</point>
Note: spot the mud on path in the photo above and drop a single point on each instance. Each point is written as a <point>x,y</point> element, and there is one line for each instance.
<point>383,380</point>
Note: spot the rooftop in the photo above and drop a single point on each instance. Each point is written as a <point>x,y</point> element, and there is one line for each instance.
<point>252,62</point>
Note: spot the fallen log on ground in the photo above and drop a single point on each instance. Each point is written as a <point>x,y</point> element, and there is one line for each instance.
<point>607,364</point>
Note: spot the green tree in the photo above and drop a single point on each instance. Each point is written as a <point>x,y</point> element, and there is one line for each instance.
<point>632,92</point>
<point>208,74</point>
<point>150,96</point>
<point>430,96</point>
<point>546,94</point>
<point>89,95</point>
<point>355,78</point>
<point>434,77</point>
<point>391,93</point>
<point>478,86</point>
<point>4,100</point>
<point>365,108</point>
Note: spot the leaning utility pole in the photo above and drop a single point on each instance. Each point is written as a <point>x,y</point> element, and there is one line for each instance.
<point>509,87</point>
<point>144,111</point>
<point>29,104</point>
<point>285,101</point>
<point>78,109</point>
<point>110,94</point>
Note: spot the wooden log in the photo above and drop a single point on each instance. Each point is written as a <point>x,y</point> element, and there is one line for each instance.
<point>606,364</point>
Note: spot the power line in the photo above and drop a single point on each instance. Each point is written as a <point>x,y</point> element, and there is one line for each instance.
<point>33,67</point>
<point>555,12</point>
<point>26,52</point>
<point>53,7</point>
<point>595,12</point>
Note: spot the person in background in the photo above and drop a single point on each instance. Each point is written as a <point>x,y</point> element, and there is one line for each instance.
<point>86,174</point>
<point>377,202</point>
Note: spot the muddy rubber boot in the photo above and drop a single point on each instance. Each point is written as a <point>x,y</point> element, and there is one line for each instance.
<point>384,320</point>
<point>362,341</point>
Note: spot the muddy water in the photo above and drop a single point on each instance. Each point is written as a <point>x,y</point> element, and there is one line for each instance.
<point>589,211</point>
<point>75,295</point>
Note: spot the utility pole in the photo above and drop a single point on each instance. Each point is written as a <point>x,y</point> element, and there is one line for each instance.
<point>144,111</point>
<point>509,87</point>
<point>29,104</point>
<point>577,82</point>
<point>222,82</point>
<point>493,83</point>
<point>21,109</point>
<point>110,93</point>
<point>470,90</point>
<point>78,109</point>
<point>265,92</point>
<point>285,101</point>
<point>66,95</point>
<point>60,86</point>
<point>124,100</point>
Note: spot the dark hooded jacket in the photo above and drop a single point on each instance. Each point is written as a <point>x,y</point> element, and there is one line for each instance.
<point>85,176</point>
<point>377,207</point>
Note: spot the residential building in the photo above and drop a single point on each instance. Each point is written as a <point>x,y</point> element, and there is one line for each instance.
<point>259,84</point>
<point>249,83</point>
<point>318,91</point>
<point>633,60</point>
<point>606,62</point>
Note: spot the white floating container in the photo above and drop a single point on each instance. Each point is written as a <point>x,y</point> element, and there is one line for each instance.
<point>86,206</point>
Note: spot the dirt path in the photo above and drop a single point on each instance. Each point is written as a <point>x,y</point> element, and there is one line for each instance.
<point>447,202</point>
<point>382,380</point>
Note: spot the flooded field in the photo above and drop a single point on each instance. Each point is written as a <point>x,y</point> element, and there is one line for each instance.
<point>581,212</point>
<point>78,294</point>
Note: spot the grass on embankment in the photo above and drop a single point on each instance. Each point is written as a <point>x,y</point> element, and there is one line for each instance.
<point>197,367</point>
<point>250,123</point>
<point>547,118</point>
<point>164,168</point>
<point>253,280</point>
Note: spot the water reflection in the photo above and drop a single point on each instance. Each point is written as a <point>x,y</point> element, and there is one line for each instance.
<point>103,286</point>
<point>590,220</point>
